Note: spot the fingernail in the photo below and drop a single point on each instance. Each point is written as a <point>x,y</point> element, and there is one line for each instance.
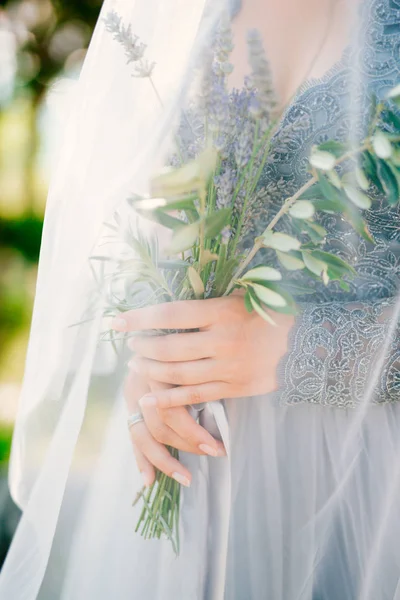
<point>132,364</point>
<point>181,479</point>
<point>221,452</point>
<point>148,401</point>
<point>208,450</point>
<point>119,324</point>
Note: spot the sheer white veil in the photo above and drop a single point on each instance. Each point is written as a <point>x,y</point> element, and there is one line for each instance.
<point>72,471</point>
<point>116,134</point>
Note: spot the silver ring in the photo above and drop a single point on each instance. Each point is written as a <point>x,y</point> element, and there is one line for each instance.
<point>134,419</point>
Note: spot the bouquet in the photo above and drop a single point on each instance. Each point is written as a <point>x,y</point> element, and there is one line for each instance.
<point>209,195</point>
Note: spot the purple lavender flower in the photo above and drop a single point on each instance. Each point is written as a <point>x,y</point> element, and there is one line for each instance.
<point>225,185</point>
<point>261,77</point>
<point>244,145</point>
<point>134,48</point>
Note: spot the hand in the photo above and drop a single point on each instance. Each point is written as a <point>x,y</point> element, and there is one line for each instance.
<point>233,354</point>
<point>172,427</point>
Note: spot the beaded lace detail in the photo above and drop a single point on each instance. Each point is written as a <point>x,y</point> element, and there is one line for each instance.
<point>335,343</point>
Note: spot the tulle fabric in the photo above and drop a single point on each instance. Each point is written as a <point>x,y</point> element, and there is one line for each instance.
<point>302,509</point>
<point>305,506</point>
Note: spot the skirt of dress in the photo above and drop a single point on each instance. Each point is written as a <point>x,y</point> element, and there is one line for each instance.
<point>306,507</point>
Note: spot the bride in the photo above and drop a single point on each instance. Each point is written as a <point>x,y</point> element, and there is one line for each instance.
<point>291,485</point>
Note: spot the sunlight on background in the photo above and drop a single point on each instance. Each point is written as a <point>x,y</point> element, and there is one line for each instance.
<point>42,46</point>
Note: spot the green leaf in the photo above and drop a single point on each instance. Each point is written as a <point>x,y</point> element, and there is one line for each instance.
<point>357,197</point>
<point>262,273</point>
<point>314,231</point>
<point>184,238</point>
<point>334,261</point>
<point>334,178</point>
<point>392,119</point>
<point>354,217</point>
<point>280,241</point>
<point>247,302</point>
<point>217,221</point>
<point>394,93</point>
<point>162,218</point>
<point>297,289</point>
<point>361,179</point>
<point>290,262</point>
<point>389,182</point>
<point>381,145</point>
<point>312,193</point>
<point>302,209</point>
<point>329,206</point>
<point>268,296</point>
<point>369,164</point>
<point>313,264</point>
<point>196,282</point>
<point>320,159</point>
<point>290,308</point>
<point>258,308</point>
<point>191,176</point>
<point>329,191</point>
<point>321,231</point>
<point>333,147</point>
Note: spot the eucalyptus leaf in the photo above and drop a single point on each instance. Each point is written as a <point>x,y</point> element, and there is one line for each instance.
<point>184,238</point>
<point>280,241</point>
<point>357,197</point>
<point>394,93</point>
<point>329,191</point>
<point>370,166</point>
<point>333,147</point>
<point>389,182</point>
<point>313,264</point>
<point>381,145</point>
<point>335,261</point>
<point>258,308</point>
<point>248,303</point>
<point>320,159</point>
<point>392,119</point>
<point>291,263</point>
<point>302,209</point>
<point>191,176</point>
<point>267,296</point>
<point>262,273</point>
<point>334,178</point>
<point>361,179</point>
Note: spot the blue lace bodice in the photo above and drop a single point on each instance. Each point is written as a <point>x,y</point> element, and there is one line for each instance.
<point>336,339</point>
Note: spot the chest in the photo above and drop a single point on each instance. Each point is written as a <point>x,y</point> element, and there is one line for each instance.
<point>302,39</point>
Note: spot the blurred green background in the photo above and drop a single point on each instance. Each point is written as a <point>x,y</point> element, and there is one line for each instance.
<point>42,47</point>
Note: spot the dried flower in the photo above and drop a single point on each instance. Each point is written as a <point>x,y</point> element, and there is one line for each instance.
<point>134,48</point>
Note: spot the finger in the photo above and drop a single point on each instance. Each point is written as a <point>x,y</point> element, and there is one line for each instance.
<point>189,314</point>
<point>186,427</point>
<point>185,395</point>
<point>145,467</point>
<point>178,373</point>
<point>158,455</point>
<point>162,432</point>
<point>174,347</point>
